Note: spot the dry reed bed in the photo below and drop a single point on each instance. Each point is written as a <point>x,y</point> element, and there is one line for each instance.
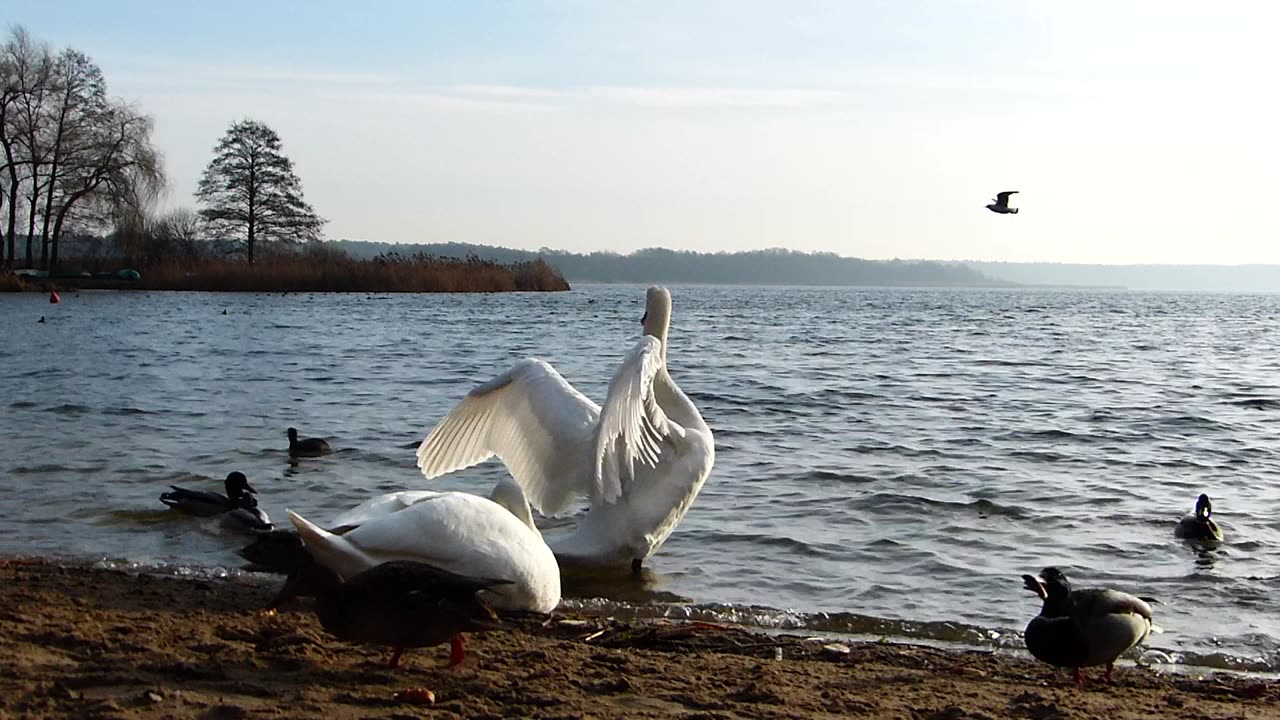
<point>306,273</point>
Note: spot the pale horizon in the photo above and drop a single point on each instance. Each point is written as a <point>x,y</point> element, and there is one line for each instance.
<point>1135,133</point>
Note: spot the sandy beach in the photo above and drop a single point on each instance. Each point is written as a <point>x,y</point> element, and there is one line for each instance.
<point>90,643</point>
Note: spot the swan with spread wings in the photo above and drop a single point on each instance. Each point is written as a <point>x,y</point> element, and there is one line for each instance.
<point>640,460</point>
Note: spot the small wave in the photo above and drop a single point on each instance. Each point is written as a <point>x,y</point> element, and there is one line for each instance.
<point>997,362</point>
<point>774,541</point>
<point>22,405</point>
<point>1258,403</point>
<point>982,507</point>
<point>69,409</point>
<point>1192,421</point>
<point>40,469</point>
<point>1049,434</point>
<point>1040,455</point>
<point>126,411</point>
<point>832,475</point>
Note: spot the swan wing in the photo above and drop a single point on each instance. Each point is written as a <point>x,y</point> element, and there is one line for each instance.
<point>632,426</point>
<point>538,424</point>
<point>379,506</point>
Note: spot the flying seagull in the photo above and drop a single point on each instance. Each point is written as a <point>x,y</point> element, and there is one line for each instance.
<point>1001,203</point>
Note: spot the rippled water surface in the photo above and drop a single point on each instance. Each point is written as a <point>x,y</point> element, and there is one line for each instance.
<point>888,461</point>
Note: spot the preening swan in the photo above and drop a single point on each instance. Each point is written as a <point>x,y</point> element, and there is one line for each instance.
<point>466,534</point>
<point>283,551</point>
<point>641,459</point>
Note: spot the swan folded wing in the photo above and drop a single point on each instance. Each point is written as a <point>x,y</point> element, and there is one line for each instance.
<point>533,420</point>
<point>632,426</point>
<point>379,506</point>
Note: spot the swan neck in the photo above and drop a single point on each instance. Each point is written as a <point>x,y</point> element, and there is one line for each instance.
<point>511,496</point>
<point>657,322</point>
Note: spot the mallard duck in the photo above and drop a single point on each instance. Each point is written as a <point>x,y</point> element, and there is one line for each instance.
<point>306,447</point>
<point>403,604</point>
<point>238,508</point>
<point>1083,628</point>
<point>1198,525</point>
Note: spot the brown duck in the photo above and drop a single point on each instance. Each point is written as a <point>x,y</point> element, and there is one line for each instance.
<point>403,604</point>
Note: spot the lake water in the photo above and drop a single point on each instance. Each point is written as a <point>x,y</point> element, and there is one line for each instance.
<point>889,461</point>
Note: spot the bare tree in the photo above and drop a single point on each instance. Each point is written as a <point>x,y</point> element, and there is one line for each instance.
<point>26,68</point>
<point>77,111</point>
<point>117,173</point>
<point>251,193</point>
<point>71,154</point>
<point>175,234</point>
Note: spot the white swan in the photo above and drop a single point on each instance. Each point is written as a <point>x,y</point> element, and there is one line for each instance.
<point>641,459</point>
<point>468,534</point>
<point>385,505</point>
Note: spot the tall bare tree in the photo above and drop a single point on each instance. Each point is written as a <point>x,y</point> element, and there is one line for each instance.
<point>26,69</point>
<point>114,173</point>
<point>251,194</point>
<point>71,153</point>
<point>76,121</point>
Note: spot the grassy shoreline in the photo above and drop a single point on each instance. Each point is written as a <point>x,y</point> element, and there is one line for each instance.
<point>305,273</point>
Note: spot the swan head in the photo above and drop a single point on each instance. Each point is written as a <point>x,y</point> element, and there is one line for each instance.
<point>510,495</point>
<point>1204,508</point>
<point>657,313</point>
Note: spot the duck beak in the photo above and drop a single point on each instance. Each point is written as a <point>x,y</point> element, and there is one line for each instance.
<point>249,487</point>
<point>1035,585</point>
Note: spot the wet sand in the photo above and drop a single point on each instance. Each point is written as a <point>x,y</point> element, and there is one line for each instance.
<point>86,643</point>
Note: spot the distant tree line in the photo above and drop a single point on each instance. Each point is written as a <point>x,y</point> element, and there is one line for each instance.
<point>757,267</point>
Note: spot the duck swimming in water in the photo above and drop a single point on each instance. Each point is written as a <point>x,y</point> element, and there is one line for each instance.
<point>403,604</point>
<point>238,506</point>
<point>1198,525</point>
<point>1083,628</point>
<point>306,447</point>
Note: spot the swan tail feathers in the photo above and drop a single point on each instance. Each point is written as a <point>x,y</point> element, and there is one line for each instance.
<point>332,551</point>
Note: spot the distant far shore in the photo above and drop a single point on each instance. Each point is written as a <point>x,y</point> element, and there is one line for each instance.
<point>304,273</point>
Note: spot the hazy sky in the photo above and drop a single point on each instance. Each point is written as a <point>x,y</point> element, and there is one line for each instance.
<point>1135,131</point>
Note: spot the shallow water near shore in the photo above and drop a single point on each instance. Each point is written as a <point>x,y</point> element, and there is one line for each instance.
<point>888,461</point>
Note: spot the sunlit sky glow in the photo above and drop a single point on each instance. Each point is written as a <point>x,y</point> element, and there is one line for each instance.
<point>1135,131</point>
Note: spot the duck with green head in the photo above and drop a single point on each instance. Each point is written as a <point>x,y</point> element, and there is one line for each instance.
<point>1198,525</point>
<point>1083,628</point>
